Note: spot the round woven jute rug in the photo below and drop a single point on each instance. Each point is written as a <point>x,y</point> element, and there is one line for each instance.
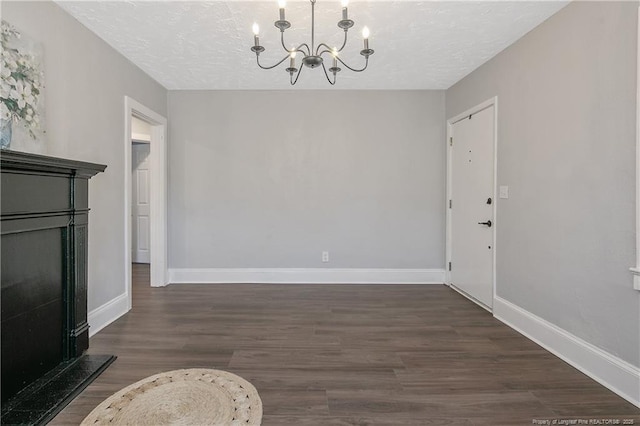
<point>182,397</point>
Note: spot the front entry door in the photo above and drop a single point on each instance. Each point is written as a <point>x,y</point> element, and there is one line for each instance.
<point>472,192</point>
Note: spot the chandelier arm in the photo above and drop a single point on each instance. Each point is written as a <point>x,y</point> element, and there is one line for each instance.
<point>298,49</point>
<point>329,47</point>
<point>353,69</point>
<point>293,82</point>
<point>330,52</point>
<point>323,45</point>
<point>271,67</point>
<point>344,43</point>
<point>327,75</point>
<point>282,41</point>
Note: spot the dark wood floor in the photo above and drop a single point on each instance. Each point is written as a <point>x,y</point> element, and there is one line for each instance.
<point>347,355</point>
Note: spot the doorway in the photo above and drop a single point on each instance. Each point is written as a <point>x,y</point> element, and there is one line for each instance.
<point>156,209</point>
<point>471,204</point>
<point>140,188</point>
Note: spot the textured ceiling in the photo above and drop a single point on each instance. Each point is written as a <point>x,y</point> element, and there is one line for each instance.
<point>205,44</point>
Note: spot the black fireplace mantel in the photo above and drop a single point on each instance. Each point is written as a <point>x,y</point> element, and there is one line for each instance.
<point>44,224</point>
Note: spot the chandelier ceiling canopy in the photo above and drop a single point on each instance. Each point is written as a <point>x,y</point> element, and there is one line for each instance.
<point>312,55</point>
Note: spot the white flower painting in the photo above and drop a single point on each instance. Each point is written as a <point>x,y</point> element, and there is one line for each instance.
<point>21,92</point>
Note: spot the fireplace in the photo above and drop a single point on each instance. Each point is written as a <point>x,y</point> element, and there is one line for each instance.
<point>44,214</point>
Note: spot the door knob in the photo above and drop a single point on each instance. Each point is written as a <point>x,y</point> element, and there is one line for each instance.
<point>488,223</point>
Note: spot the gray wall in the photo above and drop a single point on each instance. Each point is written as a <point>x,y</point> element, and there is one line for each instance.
<point>566,148</point>
<point>86,81</point>
<point>270,179</point>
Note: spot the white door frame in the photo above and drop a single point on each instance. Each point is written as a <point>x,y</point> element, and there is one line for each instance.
<point>635,270</point>
<point>158,193</point>
<point>450,122</point>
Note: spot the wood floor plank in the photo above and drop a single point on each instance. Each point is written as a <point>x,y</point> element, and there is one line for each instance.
<point>335,355</point>
<point>279,401</point>
<point>384,404</point>
<point>362,421</point>
<point>348,378</point>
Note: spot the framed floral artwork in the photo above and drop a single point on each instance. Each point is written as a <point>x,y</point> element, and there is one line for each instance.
<point>22,112</point>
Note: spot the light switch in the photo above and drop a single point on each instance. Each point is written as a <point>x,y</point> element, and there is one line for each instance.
<point>504,191</point>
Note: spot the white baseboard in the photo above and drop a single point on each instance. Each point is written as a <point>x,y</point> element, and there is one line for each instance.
<point>104,315</point>
<point>605,368</point>
<point>306,276</point>
<point>470,297</point>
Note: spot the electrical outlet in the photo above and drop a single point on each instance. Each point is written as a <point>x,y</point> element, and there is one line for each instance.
<point>325,256</point>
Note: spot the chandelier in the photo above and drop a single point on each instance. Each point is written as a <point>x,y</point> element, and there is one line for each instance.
<point>312,56</point>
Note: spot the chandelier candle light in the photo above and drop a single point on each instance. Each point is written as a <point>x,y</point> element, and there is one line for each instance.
<point>312,56</point>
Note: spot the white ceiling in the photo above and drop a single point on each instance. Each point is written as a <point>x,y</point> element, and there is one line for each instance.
<point>206,44</point>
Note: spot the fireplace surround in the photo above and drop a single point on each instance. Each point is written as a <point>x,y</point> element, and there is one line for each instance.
<point>44,227</point>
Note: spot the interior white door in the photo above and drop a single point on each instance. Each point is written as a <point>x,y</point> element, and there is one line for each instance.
<point>140,247</point>
<point>472,192</point>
